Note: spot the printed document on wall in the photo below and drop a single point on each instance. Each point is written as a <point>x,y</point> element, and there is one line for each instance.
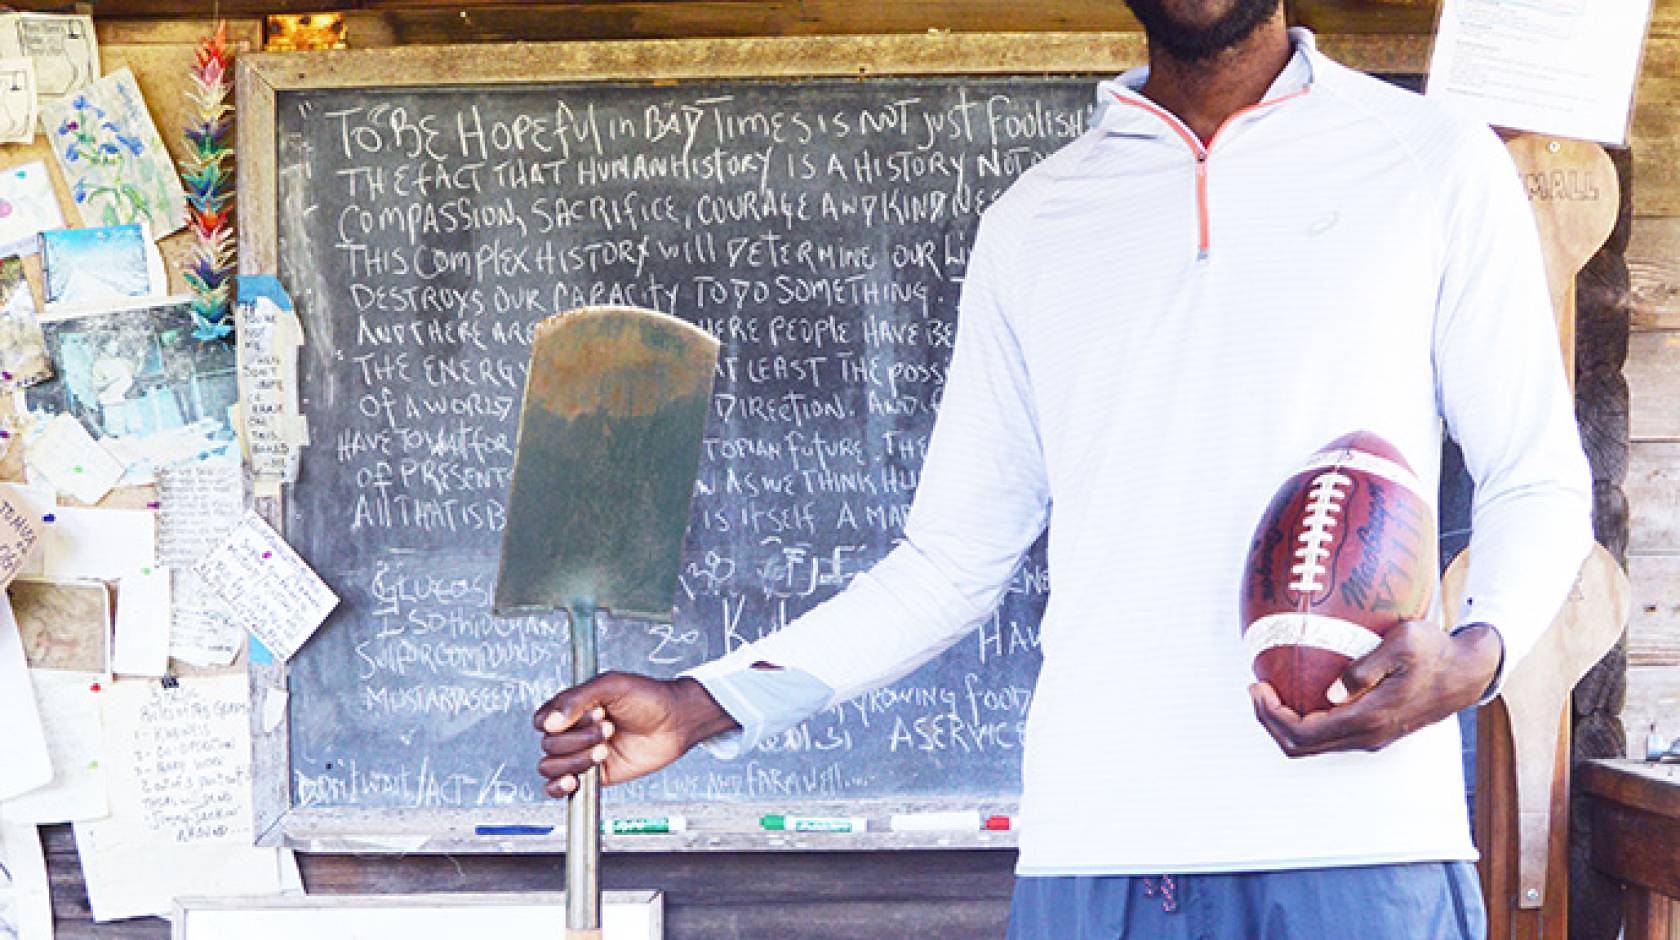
<point>1564,67</point>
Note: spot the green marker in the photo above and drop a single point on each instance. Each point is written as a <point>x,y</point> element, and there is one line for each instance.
<point>637,825</point>
<point>780,823</point>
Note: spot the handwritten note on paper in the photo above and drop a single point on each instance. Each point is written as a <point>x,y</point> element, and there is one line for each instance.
<point>141,644</point>
<point>72,461</point>
<point>1562,67</point>
<point>202,630</point>
<point>18,536</point>
<point>63,47</point>
<point>179,762</point>
<point>198,505</point>
<point>179,758</point>
<point>69,706</point>
<point>27,764</point>
<point>269,589</point>
<point>269,338</point>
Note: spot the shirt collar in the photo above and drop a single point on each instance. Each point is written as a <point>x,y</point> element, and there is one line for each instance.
<point>1304,67</point>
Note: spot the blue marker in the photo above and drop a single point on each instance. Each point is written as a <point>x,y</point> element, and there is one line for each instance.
<point>513,830</point>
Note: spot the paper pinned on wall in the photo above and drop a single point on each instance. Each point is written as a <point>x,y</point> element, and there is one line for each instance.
<point>19,535</point>
<point>22,739</point>
<point>130,874</point>
<point>198,505</point>
<point>28,207</point>
<point>68,703</point>
<point>72,461</point>
<point>23,347</point>
<point>271,591</point>
<point>143,384</point>
<point>113,157</point>
<point>39,502</point>
<point>20,113</point>
<point>106,544</point>
<point>202,630</point>
<point>63,47</point>
<point>25,893</point>
<point>92,270</point>
<point>269,339</point>
<point>178,761</point>
<point>141,644</point>
<point>179,757</point>
<point>1562,67</point>
<point>65,624</point>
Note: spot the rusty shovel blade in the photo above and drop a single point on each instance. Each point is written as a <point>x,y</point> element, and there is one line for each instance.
<point>609,444</point>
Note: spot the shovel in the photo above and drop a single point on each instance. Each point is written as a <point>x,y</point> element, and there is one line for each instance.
<point>609,443</point>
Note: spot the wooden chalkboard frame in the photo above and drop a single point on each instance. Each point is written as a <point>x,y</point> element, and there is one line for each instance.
<point>261,76</point>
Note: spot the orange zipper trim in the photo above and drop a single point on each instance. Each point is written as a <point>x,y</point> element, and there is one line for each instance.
<point>1204,237</point>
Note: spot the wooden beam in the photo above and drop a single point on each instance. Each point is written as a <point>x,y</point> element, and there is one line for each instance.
<point>1361,16</point>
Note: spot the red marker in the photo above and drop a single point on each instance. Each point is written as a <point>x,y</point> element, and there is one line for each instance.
<point>999,823</point>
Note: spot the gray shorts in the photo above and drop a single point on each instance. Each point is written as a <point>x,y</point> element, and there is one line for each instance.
<point>1424,901</point>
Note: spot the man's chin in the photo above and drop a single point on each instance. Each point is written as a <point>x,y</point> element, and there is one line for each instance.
<point>1194,42</point>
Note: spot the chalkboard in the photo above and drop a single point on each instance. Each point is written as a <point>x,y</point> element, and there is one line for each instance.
<point>818,225</point>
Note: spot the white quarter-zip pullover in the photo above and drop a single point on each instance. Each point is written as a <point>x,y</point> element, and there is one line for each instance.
<point>1153,334</point>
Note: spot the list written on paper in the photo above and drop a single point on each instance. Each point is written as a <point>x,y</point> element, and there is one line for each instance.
<point>17,537</point>
<point>183,755</point>
<point>269,589</point>
<point>198,505</point>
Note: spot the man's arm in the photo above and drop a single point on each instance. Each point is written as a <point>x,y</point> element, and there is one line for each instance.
<point>982,500</point>
<point>1500,387</point>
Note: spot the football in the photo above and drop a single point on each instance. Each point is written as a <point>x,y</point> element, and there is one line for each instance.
<point>1345,550</point>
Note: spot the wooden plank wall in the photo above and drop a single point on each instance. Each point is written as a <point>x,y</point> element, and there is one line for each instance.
<point>1653,376</point>
<point>965,894</point>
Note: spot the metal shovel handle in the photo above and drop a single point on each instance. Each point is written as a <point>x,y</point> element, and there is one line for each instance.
<point>583,810</point>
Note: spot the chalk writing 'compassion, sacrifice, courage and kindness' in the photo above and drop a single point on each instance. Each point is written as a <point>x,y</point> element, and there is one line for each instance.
<point>819,230</point>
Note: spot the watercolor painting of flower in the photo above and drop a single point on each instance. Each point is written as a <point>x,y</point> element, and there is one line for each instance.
<point>113,157</point>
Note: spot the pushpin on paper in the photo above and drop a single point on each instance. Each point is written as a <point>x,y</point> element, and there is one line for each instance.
<point>49,517</point>
<point>267,555</point>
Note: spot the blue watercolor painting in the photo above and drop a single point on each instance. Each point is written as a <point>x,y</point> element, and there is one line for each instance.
<point>113,158</point>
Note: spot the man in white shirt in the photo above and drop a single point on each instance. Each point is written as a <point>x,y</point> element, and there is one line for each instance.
<point>1252,251</point>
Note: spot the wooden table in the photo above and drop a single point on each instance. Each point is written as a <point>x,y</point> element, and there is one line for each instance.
<point>1635,810</point>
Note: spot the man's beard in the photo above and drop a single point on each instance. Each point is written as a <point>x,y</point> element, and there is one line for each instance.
<point>1195,43</point>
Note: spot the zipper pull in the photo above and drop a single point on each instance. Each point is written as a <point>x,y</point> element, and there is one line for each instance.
<point>1202,238</point>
